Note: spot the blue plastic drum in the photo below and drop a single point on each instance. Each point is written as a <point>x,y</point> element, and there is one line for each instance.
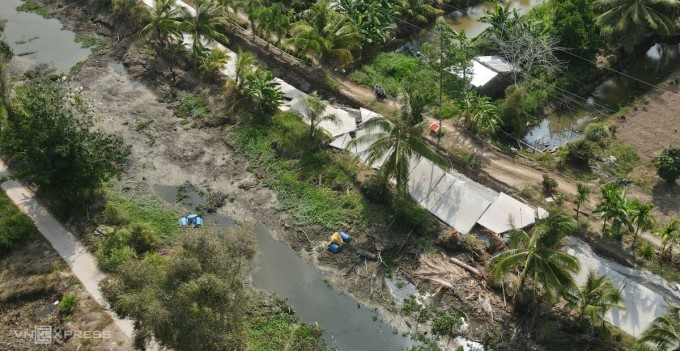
<point>199,222</point>
<point>334,247</point>
<point>345,237</point>
<point>183,222</point>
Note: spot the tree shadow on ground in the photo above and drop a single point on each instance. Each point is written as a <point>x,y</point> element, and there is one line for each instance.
<point>666,198</point>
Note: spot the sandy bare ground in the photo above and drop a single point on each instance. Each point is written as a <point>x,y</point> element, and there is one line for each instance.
<point>82,263</point>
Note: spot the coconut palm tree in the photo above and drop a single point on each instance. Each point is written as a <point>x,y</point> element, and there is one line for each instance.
<point>595,298</point>
<point>641,217</point>
<point>163,20</point>
<point>634,18</point>
<point>212,61</point>
<point>280,23</point>
<point>245,64</point>
<point>326,35</point>
<point>207,24</point>
<point>669,234</point>
<point>418,11</point>
<point>315,108</point>
<point>614,206</point>
<point>544,269</point>
<point>398,144</point>
<point>664,331</point>
<point>582,195</point>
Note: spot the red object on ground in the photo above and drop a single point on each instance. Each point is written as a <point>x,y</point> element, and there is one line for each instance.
<point>434,128</point>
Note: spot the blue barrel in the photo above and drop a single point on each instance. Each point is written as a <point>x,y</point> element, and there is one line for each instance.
<point>192,218</point>
<point>183,221</point>
<point>199,222</point>
<point>345,237</point>
<point>334,247</point>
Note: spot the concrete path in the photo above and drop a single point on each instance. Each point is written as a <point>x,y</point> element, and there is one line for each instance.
<point>82,263</point>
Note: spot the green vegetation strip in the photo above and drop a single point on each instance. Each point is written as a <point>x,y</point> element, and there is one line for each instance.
<point>32,6</point>
<point>305,186</point>
<point>280,332</point>
<point>121,209</point>
<point>14,225</point>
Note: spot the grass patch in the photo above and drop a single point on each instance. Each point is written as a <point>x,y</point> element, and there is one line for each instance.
<point>626,158</point>
<point>281,332</point>
<point>143,124</point>
<point>32,6</point>
<point>193,106</point>
<point>312,183</point>
<point>390,70</point>
<point>14,225</point>
<point>135,207</point>
<point>95,44</point>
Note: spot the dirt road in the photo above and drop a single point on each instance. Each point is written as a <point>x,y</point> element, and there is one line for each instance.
<point>81,262</point>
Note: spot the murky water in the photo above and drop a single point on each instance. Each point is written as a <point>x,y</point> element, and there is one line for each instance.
<point>467,19</point>
<point>653,67</point>
<point>281,270</point>
<point>36,40</point>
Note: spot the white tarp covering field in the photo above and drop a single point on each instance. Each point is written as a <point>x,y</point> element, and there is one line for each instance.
<point>643,292</point>
<point>506,213</point>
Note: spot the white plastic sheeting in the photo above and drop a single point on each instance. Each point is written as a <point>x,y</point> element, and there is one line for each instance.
<point>452,197</point>
<point>506,213</point>
<point>642,291</point>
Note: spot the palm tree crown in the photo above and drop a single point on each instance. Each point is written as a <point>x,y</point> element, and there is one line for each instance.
<point>207,24</point>
<point>164,21</point>
<point>543,266</point>
<point>398,144</point>
<point>634,17</point>
<point>327,35</point>
<point>595,298</point>
<point>665,330</point>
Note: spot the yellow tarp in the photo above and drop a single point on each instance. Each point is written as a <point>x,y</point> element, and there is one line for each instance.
<point>335,238</point>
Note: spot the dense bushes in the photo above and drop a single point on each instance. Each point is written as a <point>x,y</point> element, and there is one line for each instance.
<point>14,225</point>
<point>54,148</point>
<point>579,152</point>
<point>668,164</point>
<point>391,71</point>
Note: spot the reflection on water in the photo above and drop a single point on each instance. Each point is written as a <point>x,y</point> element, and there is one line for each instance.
<point>652,67</point>
<point>281,270</point>
<point>36,40</point>
<point>467,19</point>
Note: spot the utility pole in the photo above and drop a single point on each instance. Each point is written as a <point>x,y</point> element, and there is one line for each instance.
<point>441,70</point>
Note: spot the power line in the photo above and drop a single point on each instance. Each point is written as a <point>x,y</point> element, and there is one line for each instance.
<point>621,73</point>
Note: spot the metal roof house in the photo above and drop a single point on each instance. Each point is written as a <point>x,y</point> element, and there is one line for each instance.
<point>490,75</point>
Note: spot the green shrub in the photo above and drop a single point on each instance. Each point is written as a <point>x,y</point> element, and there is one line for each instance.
<point>579,152</point>
<point>143,238</point>
<point>390,70</point>
<point>668,164</point>
<point>411,216</point>
<point>549,184</point>
<point>32,6</point>
<point>68,304</point>
<point>646,250</point>
<point>376,190</point>
<point>14,225</point>
<point>626,158</point>
<point>114,250</point>
<point>596,132</point>
<point>193,106</point>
